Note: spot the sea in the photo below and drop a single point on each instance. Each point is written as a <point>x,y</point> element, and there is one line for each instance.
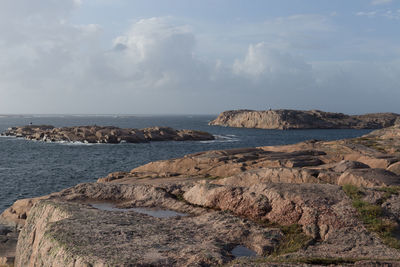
<point>35,168</point>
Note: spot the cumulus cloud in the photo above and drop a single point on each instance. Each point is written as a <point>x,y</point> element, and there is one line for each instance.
<point>50,65</point>
<point>261,60</point>
<point>37,45</point>
<point>155,53</point>
<point>272,69</point>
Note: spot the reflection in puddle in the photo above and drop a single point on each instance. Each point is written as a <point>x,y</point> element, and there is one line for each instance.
<point>158,213</point>
<point>242,251</point>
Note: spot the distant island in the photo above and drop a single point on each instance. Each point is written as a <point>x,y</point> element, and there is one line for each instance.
<point>104,134</point>
<point>286,119</point>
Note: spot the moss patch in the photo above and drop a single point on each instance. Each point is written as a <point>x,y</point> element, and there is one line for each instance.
<point>389,191</point>
<point>294,240</point>
<point>373,215</point>
<point>310,260</point>
<point>209,177</point>
<point>371,142</point>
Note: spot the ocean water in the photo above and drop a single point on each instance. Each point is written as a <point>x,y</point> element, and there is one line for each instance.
<point>30,169</point>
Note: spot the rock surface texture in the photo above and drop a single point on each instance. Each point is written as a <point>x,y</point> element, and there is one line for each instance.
<point>284,119</point>
<point>314,203</point>
<point>105,134</point>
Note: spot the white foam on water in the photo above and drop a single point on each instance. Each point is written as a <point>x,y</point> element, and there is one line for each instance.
<point>75,143</point>
<point>222,139</point>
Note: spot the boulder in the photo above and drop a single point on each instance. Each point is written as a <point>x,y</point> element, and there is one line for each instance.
<point>369,178</point>
<point>395,168</point>
<point>345,165</point>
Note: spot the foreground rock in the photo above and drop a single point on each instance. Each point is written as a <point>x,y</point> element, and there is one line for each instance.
<point>8,243</point>
<point>105,134</point>
<point>288,205</point>
<point>68,227</point>
<point>284,119</point>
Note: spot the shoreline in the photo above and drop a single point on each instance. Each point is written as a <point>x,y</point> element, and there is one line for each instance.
<point>215,186</point>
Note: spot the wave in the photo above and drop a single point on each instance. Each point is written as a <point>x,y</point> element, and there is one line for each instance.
<point>229,138</point>
<point>74,143</point>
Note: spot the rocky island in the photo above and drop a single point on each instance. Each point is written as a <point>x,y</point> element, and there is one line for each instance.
<point>313,203</point>
<point>104,134</point>
<point>285,119</point>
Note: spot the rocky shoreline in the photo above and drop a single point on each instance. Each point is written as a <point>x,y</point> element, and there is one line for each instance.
<point>104,134</point>
<point>285,119</point>
<point>313,203</point>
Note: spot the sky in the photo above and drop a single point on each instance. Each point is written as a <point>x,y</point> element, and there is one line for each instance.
<point>198,57</point>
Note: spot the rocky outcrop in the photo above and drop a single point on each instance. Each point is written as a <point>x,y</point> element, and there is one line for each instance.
<point>60,231</point>
<point>105,134</point>
<point>67,229</point>
<point>8,243</point>
<point>246,197</point>
<point>297,119</point>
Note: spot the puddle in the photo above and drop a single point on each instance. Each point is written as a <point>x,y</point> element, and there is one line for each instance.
<point>158,213</point>
<point>242,251</point>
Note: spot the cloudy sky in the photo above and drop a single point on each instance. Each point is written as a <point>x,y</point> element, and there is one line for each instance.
<point>198,57</point>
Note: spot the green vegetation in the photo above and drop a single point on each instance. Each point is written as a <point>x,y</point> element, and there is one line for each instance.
<point>294,239</point>
<point>327,261</point>
<point>372,215</point>
<point>180,197</point>
<point>371,142</point>
<point>213,177</point>
<point>305,260</point>
<point>389,191</point>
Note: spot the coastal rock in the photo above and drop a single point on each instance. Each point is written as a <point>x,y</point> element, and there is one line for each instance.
<point>320,209</point>
<point>105,134</point>
<point>225,163</point>
<point>225,198</point>
<point>369,178</point>
<point>271,175</point>
<point>395,168</point>
<point>59,230</point>
<point>8,243</point>
<point>345,165</point>
<point>68,229</point>
<point>284,119</point>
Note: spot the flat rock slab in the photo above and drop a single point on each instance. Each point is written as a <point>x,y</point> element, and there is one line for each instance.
<point>71,234</point>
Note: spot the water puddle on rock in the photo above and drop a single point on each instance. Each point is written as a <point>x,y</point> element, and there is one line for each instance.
<point>242,251</point>
<point>158,213</point>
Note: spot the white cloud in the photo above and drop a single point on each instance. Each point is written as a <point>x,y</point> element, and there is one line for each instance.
<point>263,61</point>
<point>370,14</point>
<point>388,13</point>
<point>154,53</point>
<point>381,2</point>
<point>49,65</point>
<point>392,14</point>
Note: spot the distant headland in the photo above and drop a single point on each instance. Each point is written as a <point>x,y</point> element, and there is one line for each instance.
<point>285,119</point>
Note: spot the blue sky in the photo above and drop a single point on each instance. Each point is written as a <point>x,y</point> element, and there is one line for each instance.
<point>199,57</point>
